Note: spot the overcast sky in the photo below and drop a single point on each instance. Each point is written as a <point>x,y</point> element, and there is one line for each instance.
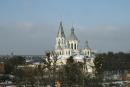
<point>30,26</point>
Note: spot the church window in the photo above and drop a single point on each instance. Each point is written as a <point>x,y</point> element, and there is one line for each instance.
<point>69,52</point>
<point>72,46</point>
<point>62,41</point>
<point>88,52</point>
<point>75,46</point>
<point>68,45</point>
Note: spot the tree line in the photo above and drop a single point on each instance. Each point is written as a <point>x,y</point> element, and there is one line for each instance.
<point>112,62</point>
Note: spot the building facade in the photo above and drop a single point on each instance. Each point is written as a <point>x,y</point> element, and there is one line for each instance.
<point>70,46</point>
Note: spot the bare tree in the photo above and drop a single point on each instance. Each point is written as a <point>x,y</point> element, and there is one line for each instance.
<point>50,61</point>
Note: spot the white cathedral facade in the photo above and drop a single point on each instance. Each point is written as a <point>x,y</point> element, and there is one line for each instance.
<point>69,46</point>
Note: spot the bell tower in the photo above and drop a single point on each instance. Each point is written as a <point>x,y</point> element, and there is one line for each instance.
<point>60,38</point>
<point>73,40</point>
<point>87,50</point>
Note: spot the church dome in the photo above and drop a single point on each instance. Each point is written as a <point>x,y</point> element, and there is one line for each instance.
<point>72,35</point>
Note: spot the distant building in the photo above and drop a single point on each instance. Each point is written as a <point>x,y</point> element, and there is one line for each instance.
<point>69,46</point>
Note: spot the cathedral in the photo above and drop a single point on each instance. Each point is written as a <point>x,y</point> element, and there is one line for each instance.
<point>70,46</point>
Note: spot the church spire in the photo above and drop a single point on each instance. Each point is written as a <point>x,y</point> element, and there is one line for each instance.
<point>61,31</point>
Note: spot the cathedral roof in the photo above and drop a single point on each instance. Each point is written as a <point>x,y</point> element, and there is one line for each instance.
<point>72,35</point>
<point>87,45</point>
<point>61,31</point>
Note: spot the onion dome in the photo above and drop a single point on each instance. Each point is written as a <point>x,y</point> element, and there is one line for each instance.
<point>72,35</point>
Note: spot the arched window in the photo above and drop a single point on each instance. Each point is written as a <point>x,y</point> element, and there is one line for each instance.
<point>62,41</point>
<point>68,45</point>
<point>75,46</point>
<point>72,46</point>
<point>88,52</point>
<point>69,52</point>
